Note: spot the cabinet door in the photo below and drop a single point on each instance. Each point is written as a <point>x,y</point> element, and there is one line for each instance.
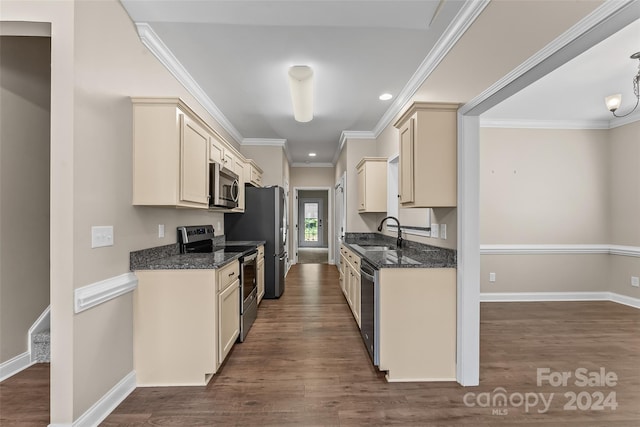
<point>216,151</point>
<point>406,162</point>
<point>356,298</point>
<point>362,188</point>
<point>260,279</point>
<point>239,169</point>
<point>229,160</point>
<point>228,319</point>
<point>194,163</point>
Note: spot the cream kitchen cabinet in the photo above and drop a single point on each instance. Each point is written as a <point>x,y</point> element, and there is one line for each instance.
<point>417,317</point>
<point>350,280</point>
<point>253,174</point>
<point>372,184</point>
<point>428,155</point>
<point>260,278</point>
<point>184,324</point>
<point>170,154</point>
<point>239,168</point>
<point>219,152</point>
<point>228,309</point>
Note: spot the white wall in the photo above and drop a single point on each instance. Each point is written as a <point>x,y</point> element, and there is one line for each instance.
<point>25,96</point>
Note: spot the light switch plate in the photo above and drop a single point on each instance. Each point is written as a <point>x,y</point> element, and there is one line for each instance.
<point>101,236</point>
<point>435,230</point>
<point>492,277</point>
<point>160,230</point>
<point>635,282</point>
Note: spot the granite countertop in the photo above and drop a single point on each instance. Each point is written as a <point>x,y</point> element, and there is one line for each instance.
<point>411,255</point>
<point>168,257</point>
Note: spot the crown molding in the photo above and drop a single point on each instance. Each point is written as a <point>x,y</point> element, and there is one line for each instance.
<point>607,10</point>
<point>268,142</point>
<point>351,134</point>
<point>543,124</point>
<point>617,122</point>
<point>151,40</point>
<point>463,20</point>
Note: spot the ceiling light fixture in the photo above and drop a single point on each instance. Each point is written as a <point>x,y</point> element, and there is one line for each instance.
<point>301,85</point>
<point>385,97</point>
<point>613,102</point>
<point>312,154</point>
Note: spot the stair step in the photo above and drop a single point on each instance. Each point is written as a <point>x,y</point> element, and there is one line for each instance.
<point>42,346</point>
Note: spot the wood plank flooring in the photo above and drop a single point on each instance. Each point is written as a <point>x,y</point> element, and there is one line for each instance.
<point>304,364</point>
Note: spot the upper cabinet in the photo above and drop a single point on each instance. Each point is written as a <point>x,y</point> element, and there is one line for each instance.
<point>170,154</point>
<point>428,155</point>
<point>372,184</point>
<point>253,174</point>
<point>172,150</point>
<point>220,153</point>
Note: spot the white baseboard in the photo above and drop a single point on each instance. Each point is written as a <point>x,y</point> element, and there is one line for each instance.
<point>559,296</point>
<point>625,300</point>
<point>103,407</point>
<point>15,365</point>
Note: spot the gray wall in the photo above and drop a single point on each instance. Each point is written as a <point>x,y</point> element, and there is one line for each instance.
<point>25,88</point>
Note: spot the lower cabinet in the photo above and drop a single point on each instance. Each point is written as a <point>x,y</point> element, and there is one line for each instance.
<point>184,324</point>
<point>350,280</point>
<point>228,309</point>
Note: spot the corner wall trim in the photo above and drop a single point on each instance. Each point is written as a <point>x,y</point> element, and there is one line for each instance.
<point>559,296</point>
<point>94,294</point>
<point>633,251</point>
<point>103,407</point>
<point>15,365</point>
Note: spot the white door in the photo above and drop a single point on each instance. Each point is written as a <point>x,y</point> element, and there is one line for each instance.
<point>310,223</point>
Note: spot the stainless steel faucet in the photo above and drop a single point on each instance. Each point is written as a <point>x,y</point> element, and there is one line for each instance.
<point>399,240</point>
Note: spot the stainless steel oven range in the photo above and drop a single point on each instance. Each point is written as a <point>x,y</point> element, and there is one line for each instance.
<point>199,239</point>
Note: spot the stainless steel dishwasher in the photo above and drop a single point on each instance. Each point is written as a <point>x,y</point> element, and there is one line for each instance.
<point>369,307</point>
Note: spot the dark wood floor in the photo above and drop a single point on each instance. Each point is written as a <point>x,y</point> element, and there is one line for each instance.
<point>304,364</point>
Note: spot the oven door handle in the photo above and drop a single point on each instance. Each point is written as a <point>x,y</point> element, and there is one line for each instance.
<point>367,276</point>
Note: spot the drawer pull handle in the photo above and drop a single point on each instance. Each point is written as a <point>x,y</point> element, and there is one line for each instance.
<point>232,273</point>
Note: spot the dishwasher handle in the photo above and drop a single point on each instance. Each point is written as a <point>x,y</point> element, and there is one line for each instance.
<point>367,270</point>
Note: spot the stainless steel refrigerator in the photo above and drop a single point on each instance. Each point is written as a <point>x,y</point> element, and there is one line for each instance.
<point>264,218</point>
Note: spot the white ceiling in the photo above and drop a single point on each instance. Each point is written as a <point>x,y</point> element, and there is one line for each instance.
<point>574,93</point>
<point>238,52</point>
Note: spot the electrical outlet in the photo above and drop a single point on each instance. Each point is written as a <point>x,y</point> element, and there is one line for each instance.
<point>635,281</point>
<point>492,277</point>
<point>219,227</point>
<point>435,230</point>
<point>101,236</point>
<point>160,230</point>
<point>443,231</point>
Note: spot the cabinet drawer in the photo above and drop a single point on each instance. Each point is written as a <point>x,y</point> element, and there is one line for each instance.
<point>227,275</point>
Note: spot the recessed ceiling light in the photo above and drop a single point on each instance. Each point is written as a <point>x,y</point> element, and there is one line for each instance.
<point>312,154</point>
<point>385,97</point>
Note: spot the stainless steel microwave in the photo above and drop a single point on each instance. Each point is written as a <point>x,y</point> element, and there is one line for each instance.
<point>223,187</point>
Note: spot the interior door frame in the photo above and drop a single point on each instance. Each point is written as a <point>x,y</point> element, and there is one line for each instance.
<point>329,221</point>
<point>340,218</point>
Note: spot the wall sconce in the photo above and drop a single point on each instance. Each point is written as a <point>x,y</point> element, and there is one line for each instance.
<point>301,85</point>
<point>613,101</point>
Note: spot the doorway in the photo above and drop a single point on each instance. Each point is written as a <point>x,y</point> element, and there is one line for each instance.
<point>312,226</point>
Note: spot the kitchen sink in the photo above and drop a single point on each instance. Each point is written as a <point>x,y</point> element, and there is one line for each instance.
<point>377,248</point>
